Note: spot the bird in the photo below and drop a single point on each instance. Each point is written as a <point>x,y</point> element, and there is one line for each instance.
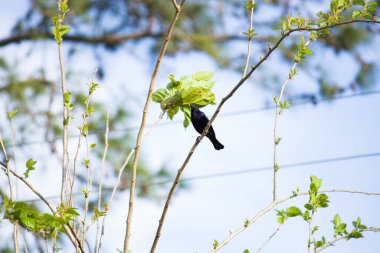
<point>200,121</point>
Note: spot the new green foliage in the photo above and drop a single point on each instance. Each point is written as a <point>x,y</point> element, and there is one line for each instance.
<point>37,222</point>
<point>181,94</point>
<point>29,167</point>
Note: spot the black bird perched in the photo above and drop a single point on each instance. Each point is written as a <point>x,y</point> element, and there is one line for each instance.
<point>200,121</point>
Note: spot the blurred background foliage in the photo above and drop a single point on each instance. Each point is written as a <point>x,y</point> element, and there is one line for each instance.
<point>213,27</point>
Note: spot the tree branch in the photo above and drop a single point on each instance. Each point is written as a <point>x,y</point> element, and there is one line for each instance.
<point>112,40</point>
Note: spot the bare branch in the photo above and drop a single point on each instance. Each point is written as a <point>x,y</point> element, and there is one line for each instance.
<point>269,238</point>
<point>97,247</point>
<point>250,15</point>
<point>112,40</point>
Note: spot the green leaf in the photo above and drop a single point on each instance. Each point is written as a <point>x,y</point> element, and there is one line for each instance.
<point>315,183</point>
<point>371,9</point>
<point>308,206</point>
<point>337,220</point>
<point>246,223</point>
<point>246,251</point>
<point>199,96</point>
<point>92,87</point>
<point>215,244</point>
<point>356,14</point>
<point>282,216</point>
<point>11,114</point>
<point>322,200</point>
<point>66,97</point>
<point>174,84</point>
<point>355,234</point>
<point>359,2</point>
<point>72,211</point>
<point>202,76</point>
<point>187,113</point>
<point>159,95</point>
<point>293,211</point>
<point>29,167</point>
<point>64,7</point>
<point>339,226</point>
<point>97,214</point>
<point>172,111</point>
<point>372,3</point>
<point>63,30</point>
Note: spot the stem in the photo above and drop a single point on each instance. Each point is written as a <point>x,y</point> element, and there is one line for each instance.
<point>14,153</point>
<point>310,231</point>
<point>10,183</point>
<point>97,247</point>
<point>66,158</point>
<point>276,139</point>
<point>250,15</point>
<point>15,238</point>
<point>6,166</point>
<point>143,122</point>
<point>269,238</point>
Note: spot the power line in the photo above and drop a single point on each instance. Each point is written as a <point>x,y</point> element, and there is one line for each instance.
<point>270,168</point>
<point>311,100</point>
<point>247,171</point>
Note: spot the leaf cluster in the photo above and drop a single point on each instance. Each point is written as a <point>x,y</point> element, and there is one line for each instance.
<point>29,167</point>
<point>181,94</point>
<point>59,30</point>
<point>35,221</point>
<point>316,200</point>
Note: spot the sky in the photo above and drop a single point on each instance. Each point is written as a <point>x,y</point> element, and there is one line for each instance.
<point>213,206</point>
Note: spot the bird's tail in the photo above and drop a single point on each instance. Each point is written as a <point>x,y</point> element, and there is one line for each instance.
<point>216,143</point>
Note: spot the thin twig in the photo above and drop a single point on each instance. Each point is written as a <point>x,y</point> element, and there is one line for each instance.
<point>6,166</point>
<point>310,232</point>
<point>113,193</point>
<point>65,122</point>
<point>15,237</point>
<point>16,227</point>
<point>11,192</point>
<point>85,116</point>
<point>24,242</point>
<point>269,238</point>
<point>250,15</point>
<point>143,122</point>
<point>14,153</point>
<point>100,180</point>
<point>275,203</point>
<point>276,139</point>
